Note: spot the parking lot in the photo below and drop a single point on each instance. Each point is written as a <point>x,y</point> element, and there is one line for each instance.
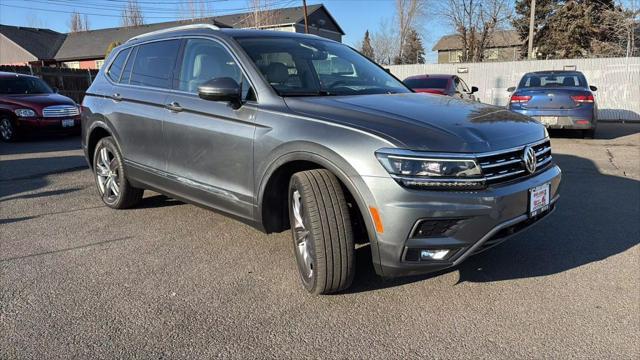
<point>168,279</point>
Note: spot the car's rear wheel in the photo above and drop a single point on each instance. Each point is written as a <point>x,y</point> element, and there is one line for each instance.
<point>111,179</point>
<point>322,233</point>
<point>7,130</point>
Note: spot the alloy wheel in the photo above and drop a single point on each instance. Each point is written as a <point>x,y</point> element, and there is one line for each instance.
<point>303,240</point>
<point>6,129</point>
<point>107,174</point>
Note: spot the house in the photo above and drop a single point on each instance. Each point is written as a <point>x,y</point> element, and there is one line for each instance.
<point>86,49</point>
<point>504,45</point>
<point>23,45</point>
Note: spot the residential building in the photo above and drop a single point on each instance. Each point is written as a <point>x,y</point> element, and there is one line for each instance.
<point>504,45</point>
<point>86,49</point>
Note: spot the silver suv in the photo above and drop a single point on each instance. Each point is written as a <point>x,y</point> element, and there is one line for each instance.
<point>290,131</point>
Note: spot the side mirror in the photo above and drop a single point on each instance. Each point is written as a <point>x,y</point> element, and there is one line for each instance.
<point>593,88</point>
<point>55,90</point>
<point>511,89</point>
<point>221,89</point>
<point>474,89</point>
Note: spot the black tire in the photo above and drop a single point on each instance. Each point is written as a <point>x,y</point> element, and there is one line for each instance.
<point>8,131</point>
<point>126,195</point>
<point>325,218</point>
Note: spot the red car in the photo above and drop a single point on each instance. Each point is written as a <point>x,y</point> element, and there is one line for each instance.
<point>29,106</point>
<point>449,85</point>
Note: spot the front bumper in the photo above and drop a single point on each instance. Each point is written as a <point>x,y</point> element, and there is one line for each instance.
<point>41,125</point>
<point>473,221</point>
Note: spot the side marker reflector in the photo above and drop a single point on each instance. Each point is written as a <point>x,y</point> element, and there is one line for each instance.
<point>377,221</point>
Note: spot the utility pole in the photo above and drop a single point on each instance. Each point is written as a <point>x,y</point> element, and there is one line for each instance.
<point>532,17</point>
<point>306,21</point>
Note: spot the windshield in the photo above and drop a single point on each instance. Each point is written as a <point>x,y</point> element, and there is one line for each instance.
<point>23,85</point>
<point>427,83</point>
<point>553,80</point>
<point>311,67</point>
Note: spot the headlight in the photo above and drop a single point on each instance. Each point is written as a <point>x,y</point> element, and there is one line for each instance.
<point>425,171</point>
<point>25,113</point>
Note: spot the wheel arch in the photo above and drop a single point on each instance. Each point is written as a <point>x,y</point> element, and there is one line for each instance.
<point>272,211</point>
<point>96,133</point>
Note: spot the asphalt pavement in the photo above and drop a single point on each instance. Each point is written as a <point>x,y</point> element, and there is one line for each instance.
<point>172,280</point>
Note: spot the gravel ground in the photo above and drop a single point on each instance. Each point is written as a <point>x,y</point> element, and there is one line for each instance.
<point>172,280</point>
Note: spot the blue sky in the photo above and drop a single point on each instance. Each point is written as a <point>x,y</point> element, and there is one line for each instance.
<point>355,16</point>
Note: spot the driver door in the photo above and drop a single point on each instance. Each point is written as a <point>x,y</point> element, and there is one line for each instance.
<point>210,144</point>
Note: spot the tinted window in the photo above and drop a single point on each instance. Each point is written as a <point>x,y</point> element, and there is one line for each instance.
<point>23,85</point>
<point>116,66</point>
<point>553,80</point>
<point>427,83</point>
<point>316,67</point>
<point>205,60</point>
<point>154,62</point>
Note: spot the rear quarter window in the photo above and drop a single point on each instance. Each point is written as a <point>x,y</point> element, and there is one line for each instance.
<point>154,63</point>
<point>115,70</point>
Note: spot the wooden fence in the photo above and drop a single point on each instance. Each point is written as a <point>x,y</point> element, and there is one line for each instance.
<point>69,82</point>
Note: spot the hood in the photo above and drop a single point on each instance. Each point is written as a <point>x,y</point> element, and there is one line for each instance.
<point>37,101</point>
<point>425,122</point>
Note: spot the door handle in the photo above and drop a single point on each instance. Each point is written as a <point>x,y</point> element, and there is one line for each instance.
<point>174,107</point>
<point>116,97</point>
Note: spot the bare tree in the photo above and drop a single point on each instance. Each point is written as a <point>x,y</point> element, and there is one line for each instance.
<point>385,41</point>
<point>78,22</point>
<point>263,13</point>
<point>475,22</point>
<point>194,9</point>
<point>409,14</point>
<point>132,14</point>
<point>35,22</point>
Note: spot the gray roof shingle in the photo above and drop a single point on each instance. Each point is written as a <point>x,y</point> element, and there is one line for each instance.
<point>93,44</point>
<point>41,43</point>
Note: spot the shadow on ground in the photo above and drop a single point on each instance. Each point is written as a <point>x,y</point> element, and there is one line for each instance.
<point>605,131</point>
<point>594,220</point>
<point>41,144</point>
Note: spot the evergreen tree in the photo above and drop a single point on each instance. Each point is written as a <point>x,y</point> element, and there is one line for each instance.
<point>367,49</point>
<point>413,50</point>
<point>544,12</point>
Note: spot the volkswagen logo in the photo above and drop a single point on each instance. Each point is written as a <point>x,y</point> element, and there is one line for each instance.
<point>530,160</point>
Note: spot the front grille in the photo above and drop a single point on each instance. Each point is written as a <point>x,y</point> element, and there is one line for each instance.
<point>507,165</point>
<point>60,111</point>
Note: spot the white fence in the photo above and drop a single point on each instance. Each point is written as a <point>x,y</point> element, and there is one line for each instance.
<point>617,79</point>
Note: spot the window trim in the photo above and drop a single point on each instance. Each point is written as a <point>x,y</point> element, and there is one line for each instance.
<point>108,69</point>
<point>183,38</point>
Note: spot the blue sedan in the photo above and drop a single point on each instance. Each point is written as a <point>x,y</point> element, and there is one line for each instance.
<point>558,99</point>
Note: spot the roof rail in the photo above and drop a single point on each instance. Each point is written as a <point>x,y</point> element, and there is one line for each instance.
<point>176,28</point>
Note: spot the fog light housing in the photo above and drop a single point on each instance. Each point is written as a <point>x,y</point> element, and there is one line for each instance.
<point>434,254</point>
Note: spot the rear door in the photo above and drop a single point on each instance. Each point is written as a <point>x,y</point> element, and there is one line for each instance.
<point>140,99</point>
<point>209,143</point>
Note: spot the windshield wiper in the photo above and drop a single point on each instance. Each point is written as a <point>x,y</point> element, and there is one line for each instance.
<point>308,93</point>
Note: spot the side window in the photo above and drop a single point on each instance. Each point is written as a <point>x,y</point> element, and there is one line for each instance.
<point>154,62</point>
<point>116,66</point>
<point>205,60</point>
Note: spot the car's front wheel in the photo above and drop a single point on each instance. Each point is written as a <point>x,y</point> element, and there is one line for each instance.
<point>7,130</point>
<point>108,169</point>
<point>322,233</point>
